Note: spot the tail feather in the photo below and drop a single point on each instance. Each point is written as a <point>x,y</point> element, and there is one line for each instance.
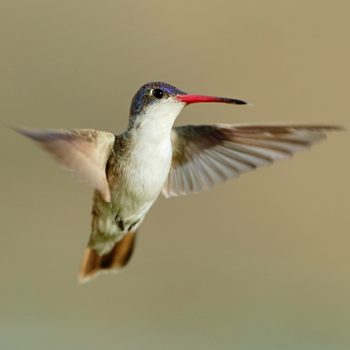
<point>117,258</point>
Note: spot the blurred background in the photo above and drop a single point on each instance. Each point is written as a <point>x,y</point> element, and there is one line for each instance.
<point>261,262</point>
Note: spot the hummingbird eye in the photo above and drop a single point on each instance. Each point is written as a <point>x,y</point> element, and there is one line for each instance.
<point>157,93</point>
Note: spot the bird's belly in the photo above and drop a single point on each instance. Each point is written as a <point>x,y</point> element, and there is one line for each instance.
<point>143,182</point>
<point>113,220</point>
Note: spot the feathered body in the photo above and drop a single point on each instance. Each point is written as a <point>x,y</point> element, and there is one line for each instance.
<point>136,172</point>
<point>130,170</point>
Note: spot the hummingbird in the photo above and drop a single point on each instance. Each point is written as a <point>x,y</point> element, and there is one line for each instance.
<point>128,171</point>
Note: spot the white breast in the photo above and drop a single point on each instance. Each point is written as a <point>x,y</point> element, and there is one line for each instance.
<point>152,153</point>
<point>149,166</point>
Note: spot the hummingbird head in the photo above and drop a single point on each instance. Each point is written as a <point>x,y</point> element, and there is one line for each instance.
<point>153,95</point>
<point>162,102</point>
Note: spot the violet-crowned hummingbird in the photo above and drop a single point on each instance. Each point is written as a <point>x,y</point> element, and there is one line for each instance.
<point>128,171</point>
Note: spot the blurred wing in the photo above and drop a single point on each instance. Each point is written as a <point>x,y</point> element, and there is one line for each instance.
<point>205,155</point>
<point>85,152</point>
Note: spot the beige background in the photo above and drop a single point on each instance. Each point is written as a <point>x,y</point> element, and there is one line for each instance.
<point>262,262</point>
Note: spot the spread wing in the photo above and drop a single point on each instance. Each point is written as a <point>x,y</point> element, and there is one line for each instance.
<point>205,155</point>
<point>85,152</point>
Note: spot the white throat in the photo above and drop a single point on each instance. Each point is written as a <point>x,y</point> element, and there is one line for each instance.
<point>156,123</point>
